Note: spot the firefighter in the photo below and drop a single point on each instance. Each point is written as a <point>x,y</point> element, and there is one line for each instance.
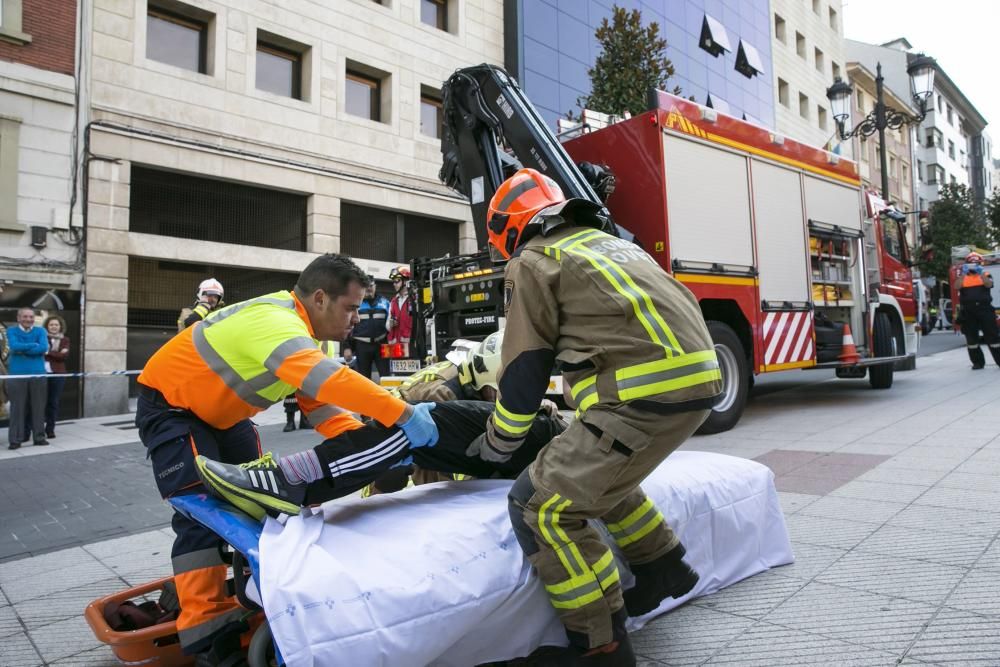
<point>368,336</point>
<point>976,311</point>
<point>400,323</point>
<point>643,374</point>
<point>198,392</point>
<point>208,298</point>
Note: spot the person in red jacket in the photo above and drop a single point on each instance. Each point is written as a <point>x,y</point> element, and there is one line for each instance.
<point>400,324</point>
<point>55,360</point>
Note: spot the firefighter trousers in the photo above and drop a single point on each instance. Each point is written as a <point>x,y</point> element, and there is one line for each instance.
<point>173,438</point>
<point>976,317</point>
<point>593,471</point>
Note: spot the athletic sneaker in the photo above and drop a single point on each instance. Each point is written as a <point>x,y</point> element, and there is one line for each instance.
<point>258,487</point>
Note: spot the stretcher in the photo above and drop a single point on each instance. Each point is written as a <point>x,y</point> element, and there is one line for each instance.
<point>433,575</point>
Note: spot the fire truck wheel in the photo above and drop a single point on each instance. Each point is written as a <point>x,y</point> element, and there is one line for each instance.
<point>880,377</point>
<point>735,380</point>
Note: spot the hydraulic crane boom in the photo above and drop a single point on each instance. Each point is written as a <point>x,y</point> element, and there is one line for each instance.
<point>485,112</point>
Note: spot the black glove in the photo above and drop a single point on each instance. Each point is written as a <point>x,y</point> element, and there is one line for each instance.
<point>481,448</point>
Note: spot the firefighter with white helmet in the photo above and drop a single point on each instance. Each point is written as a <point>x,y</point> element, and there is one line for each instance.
<point>208,298</point>
<point>641,365</point>
<point>976,311</point>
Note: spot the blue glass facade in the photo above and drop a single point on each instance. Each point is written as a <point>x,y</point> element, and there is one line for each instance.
<point>551,45</point>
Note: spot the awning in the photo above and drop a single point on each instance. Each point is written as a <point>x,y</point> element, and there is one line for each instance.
<point>714,37</point>
<point>748,62</point>
<point>717,103</point>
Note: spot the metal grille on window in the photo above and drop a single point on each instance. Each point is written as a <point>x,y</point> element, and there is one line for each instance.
<point>368,232</point>
<point>205,209</point>
<point>428,237</point>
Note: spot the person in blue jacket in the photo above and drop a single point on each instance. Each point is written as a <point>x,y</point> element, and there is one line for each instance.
<point>28,345</point>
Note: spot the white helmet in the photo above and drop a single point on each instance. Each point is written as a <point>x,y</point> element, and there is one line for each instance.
<point>484,361</point>
<point>210,286</point>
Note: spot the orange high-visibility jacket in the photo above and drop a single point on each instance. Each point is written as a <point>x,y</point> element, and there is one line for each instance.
<point>244,358</point>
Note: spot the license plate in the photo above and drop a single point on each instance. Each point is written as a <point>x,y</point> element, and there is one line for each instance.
<point>404,365</point>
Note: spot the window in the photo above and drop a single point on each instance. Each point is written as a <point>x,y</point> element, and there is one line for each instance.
<point>951,149</point>
<point>861,101</point>
<point>821,117</point>
<point>363,96</point>
<point>434,13</point>
<point>779,28</point>
<point>835,70</point>
<point>816,7</point>
<point>905,180</point>
<point>783,91</point>
<point>934,138</point>
<point>864,148</point>
<point>951,115</point>
<point>892,239</point>
<point>391,236</point>
<point>714,37</point>
<point>892,166</point>
<point>11,23</point>
<point>178,40</point>
<point>940,104</point>
<point>10,131</point>
<point>748,62</point>
<point>820,62</point>
<point>920,170</point>
<point>800,45</point>
<point>935,174</point>
<point>834,24</point>
<point>279,69</point>
<point>953,180</point>
<point>803,105</point>
<point>431,114</point>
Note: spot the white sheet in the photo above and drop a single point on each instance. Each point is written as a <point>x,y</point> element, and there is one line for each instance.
<point>434,575</point>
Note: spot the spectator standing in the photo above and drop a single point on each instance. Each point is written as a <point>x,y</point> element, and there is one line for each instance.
<point>3,371</point>
<point>370,333</point>
<point>28,345</point>
<point>400,323</point>
<point>55,362</point>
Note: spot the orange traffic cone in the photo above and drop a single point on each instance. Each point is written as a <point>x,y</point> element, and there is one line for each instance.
<point>848,352</point>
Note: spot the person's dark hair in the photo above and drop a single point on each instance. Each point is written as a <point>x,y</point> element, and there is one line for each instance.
<point>57,318</point>
<point>331,273</point>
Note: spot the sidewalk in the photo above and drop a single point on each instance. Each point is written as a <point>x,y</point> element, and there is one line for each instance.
<point>892,500</point>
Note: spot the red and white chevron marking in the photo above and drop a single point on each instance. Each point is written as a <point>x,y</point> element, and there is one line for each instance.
<point>788,337</point>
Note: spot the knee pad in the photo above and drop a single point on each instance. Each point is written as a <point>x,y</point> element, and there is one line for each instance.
<point>517,500</point>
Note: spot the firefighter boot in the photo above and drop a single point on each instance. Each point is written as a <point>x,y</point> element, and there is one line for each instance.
<point>258,487</point>
<point>977,357</point>
<point>617,653</point>
<point>995,351</point>
<point>667,576</point>
<point>290,424</point>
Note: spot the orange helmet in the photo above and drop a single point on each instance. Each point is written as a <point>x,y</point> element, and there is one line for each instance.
<point>515,204</point>
<point>402,272</point>
<point>973,258</point>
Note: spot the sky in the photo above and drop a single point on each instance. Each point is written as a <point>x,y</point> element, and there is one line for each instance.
<point>961,34</point>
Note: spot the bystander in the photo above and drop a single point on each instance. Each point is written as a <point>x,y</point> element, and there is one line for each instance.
<point>55,363</point>
<point>28,345</point>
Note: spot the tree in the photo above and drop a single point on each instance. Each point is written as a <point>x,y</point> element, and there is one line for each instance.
<point>632,61</point>
<point>993,216</point>
<point>953,222</point>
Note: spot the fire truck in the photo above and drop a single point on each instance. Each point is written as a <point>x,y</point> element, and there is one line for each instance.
<point>776,239</point>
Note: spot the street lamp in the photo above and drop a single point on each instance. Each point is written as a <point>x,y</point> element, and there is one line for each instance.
<point>921,71</point>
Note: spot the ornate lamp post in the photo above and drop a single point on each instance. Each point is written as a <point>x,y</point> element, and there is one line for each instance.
<point>921,71</point>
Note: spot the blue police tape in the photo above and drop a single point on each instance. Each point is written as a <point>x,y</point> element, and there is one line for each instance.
<point>68,375</point>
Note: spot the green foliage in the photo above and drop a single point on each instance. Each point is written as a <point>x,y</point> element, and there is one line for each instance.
<point>632,61</point>
<point>953,221</point>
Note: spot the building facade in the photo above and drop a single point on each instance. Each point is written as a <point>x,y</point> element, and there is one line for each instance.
<point>807,43</point>
<point>237,139</point>
<point>41,258</point>
<point>720,51</point>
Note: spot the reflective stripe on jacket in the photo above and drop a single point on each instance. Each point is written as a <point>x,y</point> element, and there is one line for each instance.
<point>244,358</point>
<point>623,329</point>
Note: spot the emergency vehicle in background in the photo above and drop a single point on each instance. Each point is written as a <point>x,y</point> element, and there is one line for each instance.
<point>991,264</point>
<point>776,239</point>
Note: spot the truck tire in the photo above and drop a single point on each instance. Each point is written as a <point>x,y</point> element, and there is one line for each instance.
<point>880,377</point>
<point>735,380</point>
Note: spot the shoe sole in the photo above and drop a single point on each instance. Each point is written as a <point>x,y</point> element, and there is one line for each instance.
<point>678,591</point>
<point>246,501</point>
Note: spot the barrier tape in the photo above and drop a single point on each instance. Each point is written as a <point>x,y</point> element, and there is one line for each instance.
<point>68,375</point>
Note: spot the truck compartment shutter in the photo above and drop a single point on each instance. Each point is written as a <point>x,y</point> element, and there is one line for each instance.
<point>781,235</point>
<point>708,203</point>
<point>832,203</point>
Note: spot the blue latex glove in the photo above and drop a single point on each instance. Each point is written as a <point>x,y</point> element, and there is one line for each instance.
<point>420,429</point>
<point>408,461</point>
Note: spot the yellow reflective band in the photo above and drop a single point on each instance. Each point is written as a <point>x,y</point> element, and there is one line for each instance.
<point>606,570</point>
<point>554,253</point>
<point>663,375</point>
<point>565,538</point>
<point>581,385</point>
<point>636,514</point>
<point>511,422</point>
<point>544,530</point>
<point>571,584</point>
<point>644,530</point>
<point>670,385</point>
<point>579,237</point>
<point>581,601</point>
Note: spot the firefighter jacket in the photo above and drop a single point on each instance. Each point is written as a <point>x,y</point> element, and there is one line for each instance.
<point>440,382</point>
<point>244,358</point>
<point>624,331</point>
<point>401,311</point>
<point>973,289</point>
<point>372,314</point>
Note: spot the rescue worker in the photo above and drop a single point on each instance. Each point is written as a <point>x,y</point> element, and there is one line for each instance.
<point>976,311</point>
<point>371,332</point>
<point>208,298</point>
<point>400,324</point>
<point>341,465</point>
<point>643,374</point>
<point>198,392</point>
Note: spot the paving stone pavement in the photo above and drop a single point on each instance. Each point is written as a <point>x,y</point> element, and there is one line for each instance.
<point>890,498</point>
